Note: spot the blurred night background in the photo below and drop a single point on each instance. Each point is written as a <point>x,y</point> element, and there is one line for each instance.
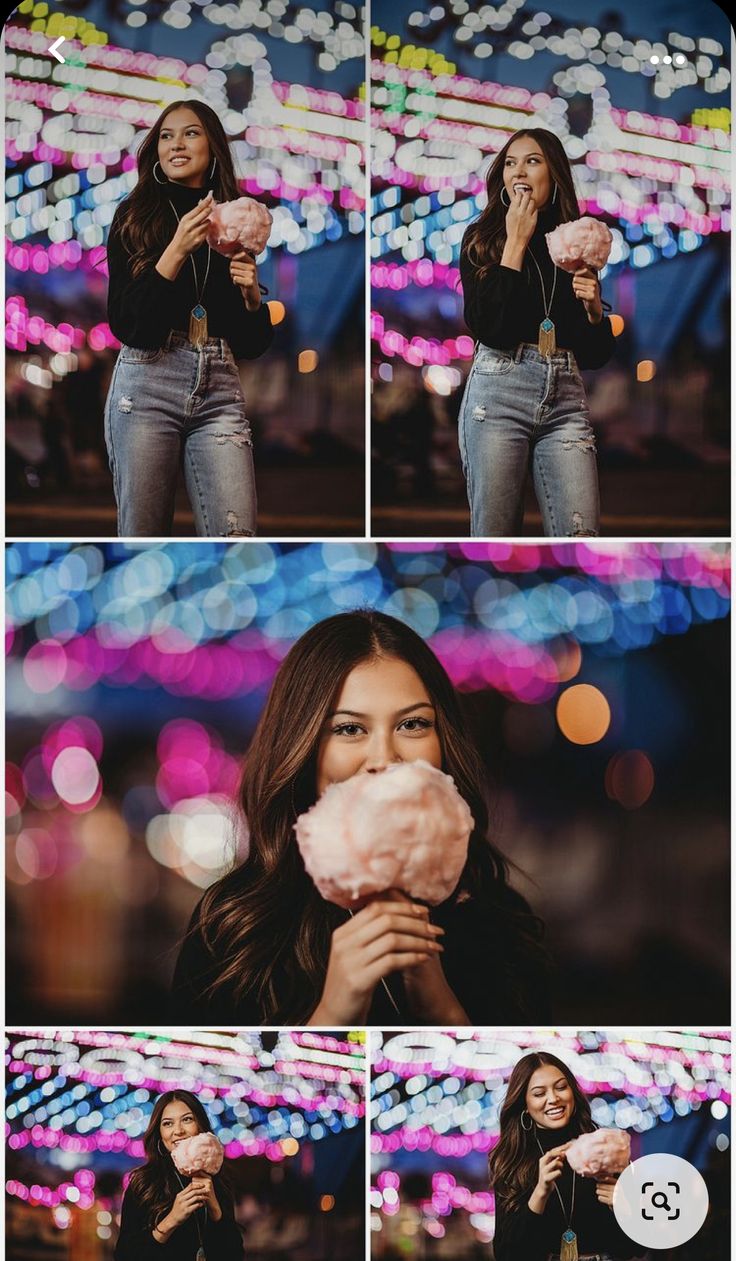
<point>435,1102</point>
<point>288,1109</point>
<point>595,677</point>
<point>285,79</point>
<point>650,148</point>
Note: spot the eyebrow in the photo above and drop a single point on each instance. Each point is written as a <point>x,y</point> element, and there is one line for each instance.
<point>554,1083</point>
<point>534,153</point>
<point>355,713</point>
<point>185,127</point>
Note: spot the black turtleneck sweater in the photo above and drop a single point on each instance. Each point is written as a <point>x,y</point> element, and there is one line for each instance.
<point>506,307</point>
<point>221,1240</point>
<point>527,1236</point>
<point>142,311</point>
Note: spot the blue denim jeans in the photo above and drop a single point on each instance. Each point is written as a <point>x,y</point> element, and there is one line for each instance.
<point>520,407</point>
<point>172,406</point>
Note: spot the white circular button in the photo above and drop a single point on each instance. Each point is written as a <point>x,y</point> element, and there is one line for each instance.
<point>660,1201</point>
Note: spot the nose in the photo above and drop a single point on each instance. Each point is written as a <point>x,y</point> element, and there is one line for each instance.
<point>381,753</point>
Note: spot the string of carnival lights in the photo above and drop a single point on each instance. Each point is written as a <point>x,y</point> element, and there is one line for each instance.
<point>72,127</point>
<point>662,186</point>
<point>441,1093</point>
<point>85,1093</point>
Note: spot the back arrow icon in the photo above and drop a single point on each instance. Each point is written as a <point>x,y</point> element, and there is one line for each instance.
<point>54,47</point>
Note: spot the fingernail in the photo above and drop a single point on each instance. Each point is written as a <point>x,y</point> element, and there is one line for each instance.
<point>435,928</point>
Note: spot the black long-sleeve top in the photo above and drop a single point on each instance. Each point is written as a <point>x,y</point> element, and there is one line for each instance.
<point>506,308</point>
<point>526,1236</point>
<point>221,1240</point>
<point>142,311</point>
<point>494,977</point>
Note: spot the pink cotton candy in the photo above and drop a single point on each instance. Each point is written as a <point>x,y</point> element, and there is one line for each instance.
<point>403,828</point>
<point>581,243</point>
<point>601,1152</point>
<point>200,1154</point>
<point>240,224</point>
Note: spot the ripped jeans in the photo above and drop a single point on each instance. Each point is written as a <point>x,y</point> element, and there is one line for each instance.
<point>180,405</point>
<point>521,408</point>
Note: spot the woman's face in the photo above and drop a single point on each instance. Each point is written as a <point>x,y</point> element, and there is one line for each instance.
<point>183,148</point>
<point>525,167</point>
<point>549,1098</point>
<point>382,714</point>
<point>177,1122</point>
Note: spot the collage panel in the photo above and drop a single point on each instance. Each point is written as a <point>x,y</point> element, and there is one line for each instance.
<point>504,1143</point>
<point>519,156</point>
<point>185,269</point>
<point>352,783</point>
<point>138,1143</point>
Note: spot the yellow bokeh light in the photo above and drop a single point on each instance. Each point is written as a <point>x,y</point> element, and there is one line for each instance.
<point>289,1146</point>
<point>645,370</point>
<point>276,311</point>
<point>583,714</point>
<point>308,360</point>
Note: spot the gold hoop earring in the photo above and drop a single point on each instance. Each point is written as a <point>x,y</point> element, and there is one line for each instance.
<point>528,1127</point>
<point>155,176</point>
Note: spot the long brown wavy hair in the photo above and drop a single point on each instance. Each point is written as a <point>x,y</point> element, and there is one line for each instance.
<point>155,1184</point>
<point>144,219</point>
<point>265,924</point>
<point>514,1161</point>
<point>484,240</point>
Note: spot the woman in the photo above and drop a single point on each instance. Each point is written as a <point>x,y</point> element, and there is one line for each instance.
<point>184,314</point>
<point>357,692</point>
<point>538,1197</point>
<point>165,1214</point>
<point>523,398</point>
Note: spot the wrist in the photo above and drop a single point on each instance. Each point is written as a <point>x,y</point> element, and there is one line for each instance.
<point>538,1199</point>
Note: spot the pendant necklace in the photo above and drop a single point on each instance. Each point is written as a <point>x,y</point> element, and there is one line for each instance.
<point>197,328</point>
<point>547,343</point>
<point>385,984</point>
<point>200,1250</point>
<point>569,1240</point>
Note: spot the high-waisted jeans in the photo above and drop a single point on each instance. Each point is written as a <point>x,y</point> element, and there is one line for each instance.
<point>520,407</point>
<point>180,405</point>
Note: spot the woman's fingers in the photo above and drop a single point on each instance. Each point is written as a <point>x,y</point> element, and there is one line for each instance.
<point>393,943</point>
<point>398,920</point>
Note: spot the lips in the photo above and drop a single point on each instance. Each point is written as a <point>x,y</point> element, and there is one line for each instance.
<point>555,1112</point>
<point>178,161</point>
<point>526,187</point>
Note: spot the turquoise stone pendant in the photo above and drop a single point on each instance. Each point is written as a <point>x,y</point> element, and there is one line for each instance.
<point>198,325</point>
<point>547,341</point>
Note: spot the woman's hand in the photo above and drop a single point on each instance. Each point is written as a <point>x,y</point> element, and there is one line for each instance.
<point>426,986</point>
<point>585,287</point>
<point>550,1169</point>
<point>383,937</point>
<point>243,273</point>
<point>604,1188</point>
<point>521,218</point>
<point>204,1181</point>
<point>191,229</point>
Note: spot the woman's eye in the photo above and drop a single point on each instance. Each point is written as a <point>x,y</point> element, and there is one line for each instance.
<point>416,724</point>
<point>347,729</point>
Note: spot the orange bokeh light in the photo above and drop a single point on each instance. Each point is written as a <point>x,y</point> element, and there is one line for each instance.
<point>629,779</point>
<point>583,714</point>
<point>308,360</point>
<point>645,370</point>
<point>617,324</point>
<point>277,311</point>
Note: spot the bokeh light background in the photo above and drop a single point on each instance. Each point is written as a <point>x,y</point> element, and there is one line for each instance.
<point>285,79</point>
<point>649,142</point>
<point>434,1118</point>
<point>594,677</point>
<point>288,1109</point>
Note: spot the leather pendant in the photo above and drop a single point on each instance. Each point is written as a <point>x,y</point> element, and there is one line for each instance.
<point>569,1246</point>
<point>198,337</point>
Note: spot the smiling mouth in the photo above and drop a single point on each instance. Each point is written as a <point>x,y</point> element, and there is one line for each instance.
<point>526,187</point>
<point>555,1112</point>
<point>178,161</point>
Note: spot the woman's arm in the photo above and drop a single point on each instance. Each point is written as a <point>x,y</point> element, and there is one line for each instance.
<point>223,1238</point>
<point>140,308</point>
